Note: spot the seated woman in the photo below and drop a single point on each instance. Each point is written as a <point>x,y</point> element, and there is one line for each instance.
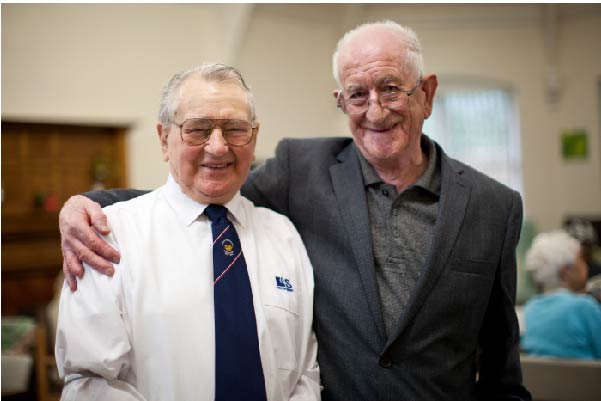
<point>563,321</point>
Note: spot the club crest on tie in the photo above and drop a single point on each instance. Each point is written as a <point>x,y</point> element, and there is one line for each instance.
<point>228,247</point>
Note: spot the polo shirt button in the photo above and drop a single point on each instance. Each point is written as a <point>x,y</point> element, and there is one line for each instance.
<point>396,233</point>
<point>385,192</point>
<point>395,212</point>
<point>385,361</point>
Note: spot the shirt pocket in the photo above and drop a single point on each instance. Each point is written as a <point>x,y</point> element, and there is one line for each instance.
<point>281,314</point>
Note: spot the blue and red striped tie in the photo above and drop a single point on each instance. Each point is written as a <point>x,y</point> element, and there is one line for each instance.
<point>238,369</point>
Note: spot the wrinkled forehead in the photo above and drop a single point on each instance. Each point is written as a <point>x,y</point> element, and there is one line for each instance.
<point>377,79</point>
<point>216,99</point>
<point>377,72</point>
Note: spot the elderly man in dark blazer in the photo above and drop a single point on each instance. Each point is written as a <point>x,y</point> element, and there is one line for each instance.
<point>413,252</point>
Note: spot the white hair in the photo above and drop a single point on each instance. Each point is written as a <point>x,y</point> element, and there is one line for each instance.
<point>548,254</point>
<point>411,47</point>
<point>209,72</point>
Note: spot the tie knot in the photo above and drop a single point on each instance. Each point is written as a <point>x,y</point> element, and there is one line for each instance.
<point>215,212</point>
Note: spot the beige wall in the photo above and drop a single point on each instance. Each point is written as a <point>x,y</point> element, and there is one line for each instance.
<point>107,64</point>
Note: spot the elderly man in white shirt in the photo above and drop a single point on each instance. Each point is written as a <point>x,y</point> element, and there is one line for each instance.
<point>154,330</point>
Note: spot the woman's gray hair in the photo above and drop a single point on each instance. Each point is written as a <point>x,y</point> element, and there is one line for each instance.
<point>548,254</point>
<point>209,72</point>
<point>411,48</point>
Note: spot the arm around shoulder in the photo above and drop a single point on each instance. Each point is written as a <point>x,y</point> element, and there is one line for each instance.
<point>268,184</point>
<point>80,221</point>
<point>108,197</point>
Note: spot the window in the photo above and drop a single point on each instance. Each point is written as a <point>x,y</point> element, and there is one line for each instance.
<point>478,125</point>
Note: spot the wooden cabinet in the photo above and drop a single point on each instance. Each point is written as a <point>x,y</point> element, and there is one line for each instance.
<point>42,166</point>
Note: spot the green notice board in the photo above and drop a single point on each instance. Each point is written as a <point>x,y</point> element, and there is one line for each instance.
<point>574,144</point>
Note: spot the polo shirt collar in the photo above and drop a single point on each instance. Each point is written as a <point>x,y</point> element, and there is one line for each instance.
<point>429,180</point>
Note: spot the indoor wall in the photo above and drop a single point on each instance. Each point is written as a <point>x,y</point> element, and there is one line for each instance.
<point>107,63</point>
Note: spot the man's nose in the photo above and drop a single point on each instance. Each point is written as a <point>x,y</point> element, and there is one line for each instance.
<point>375,112</point>
<point>216,145</point>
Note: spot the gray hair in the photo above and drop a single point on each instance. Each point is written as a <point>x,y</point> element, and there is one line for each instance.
<point>411,48</point>
<point>548,254</point>
<point>210,72</point>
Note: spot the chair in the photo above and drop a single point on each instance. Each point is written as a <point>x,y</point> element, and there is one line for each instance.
<point>48,384</point>
<point>553,379</point>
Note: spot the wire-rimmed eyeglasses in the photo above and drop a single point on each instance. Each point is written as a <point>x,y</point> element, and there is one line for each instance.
<point>391,97</point>
<point>196,131</point>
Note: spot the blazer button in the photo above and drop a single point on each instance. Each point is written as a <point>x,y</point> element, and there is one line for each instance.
<point>385,361</point>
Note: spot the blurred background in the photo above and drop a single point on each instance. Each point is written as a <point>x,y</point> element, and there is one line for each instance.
<point>519,98</point>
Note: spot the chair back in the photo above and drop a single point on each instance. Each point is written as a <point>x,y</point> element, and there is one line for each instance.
<point>554,379</point>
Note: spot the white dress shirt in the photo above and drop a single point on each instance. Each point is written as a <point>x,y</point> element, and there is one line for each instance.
<point>148,332</point>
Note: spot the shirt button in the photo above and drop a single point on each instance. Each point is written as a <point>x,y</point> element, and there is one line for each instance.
<point>395,212</point>
<point>385,192</point>
<point>385,361</point>
<point>396,233</point>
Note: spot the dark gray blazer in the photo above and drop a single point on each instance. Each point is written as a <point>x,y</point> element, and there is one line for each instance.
<point>458,337</point>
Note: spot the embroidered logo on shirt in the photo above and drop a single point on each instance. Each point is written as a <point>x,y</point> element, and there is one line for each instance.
<point>228,247</point>
<point>283,284</point>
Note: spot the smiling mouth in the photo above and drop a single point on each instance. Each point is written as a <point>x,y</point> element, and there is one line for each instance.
<point>378,130</point>
<point>216,166</point>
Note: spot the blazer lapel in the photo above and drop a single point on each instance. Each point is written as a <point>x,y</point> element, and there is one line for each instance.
<point>347,180</point>
<point>454,197</point>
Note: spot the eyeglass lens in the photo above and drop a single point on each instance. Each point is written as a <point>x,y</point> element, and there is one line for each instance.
<point>196,131</point>
<point>387,100</point>
<point>358,103</point>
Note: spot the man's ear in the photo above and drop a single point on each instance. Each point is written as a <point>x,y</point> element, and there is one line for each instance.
<point>429,85</point>
<point>564,273</point>
<point>255,136</point>
<point>163,134</point>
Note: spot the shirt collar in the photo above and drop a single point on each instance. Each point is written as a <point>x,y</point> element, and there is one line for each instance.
<point>188,210</point>
<point>370,177</point>
<point>429,180</point>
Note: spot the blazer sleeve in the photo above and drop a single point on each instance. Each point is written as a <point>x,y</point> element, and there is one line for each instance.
<point>110,196</point>
<point>500,376</point>
<point>268,185</point>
